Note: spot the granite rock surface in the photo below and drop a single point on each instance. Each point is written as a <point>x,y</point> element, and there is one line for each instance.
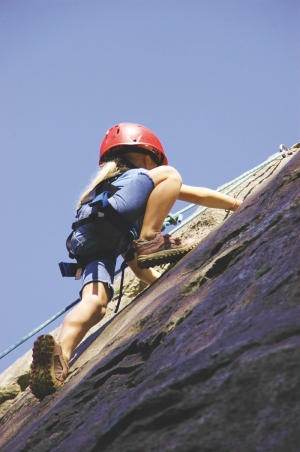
<point>205,359</point>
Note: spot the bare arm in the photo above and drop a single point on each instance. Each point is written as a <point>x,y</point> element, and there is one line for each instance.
<point>208,198</point>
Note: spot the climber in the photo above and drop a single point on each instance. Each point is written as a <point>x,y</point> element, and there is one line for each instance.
<point>120,212</point>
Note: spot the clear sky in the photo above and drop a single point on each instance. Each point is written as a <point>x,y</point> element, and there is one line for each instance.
<point>217,81</point>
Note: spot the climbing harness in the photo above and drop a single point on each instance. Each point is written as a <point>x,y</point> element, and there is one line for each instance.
<point>98,200</point>
<point>284,151</point>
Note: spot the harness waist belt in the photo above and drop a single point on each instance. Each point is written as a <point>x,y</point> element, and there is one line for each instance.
<point>92,217</point>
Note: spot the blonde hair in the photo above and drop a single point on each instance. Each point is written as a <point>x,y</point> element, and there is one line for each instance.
<point>107,170</point>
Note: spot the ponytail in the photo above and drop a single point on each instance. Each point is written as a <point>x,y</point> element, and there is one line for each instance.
<point>107,170</point>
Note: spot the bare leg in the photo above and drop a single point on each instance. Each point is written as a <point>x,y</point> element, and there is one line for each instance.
<point>167,184</point>
<point>86,314</point>
<point>147,275</point>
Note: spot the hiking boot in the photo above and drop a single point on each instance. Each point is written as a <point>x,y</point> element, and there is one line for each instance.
<point>164,249</point>
<point>49,368</point>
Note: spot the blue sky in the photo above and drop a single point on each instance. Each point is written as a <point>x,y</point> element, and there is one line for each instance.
<point>217,81</point>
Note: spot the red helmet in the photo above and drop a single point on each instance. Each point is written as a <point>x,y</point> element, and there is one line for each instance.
<point>129,134</point>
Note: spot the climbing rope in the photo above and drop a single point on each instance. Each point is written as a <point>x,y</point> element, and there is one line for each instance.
<point>39,328</point>
<point>232,184</point>
<point>240,179</point>
<point>172,219</point>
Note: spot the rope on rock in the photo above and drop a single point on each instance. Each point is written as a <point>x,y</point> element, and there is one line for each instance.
<point>172,219</point>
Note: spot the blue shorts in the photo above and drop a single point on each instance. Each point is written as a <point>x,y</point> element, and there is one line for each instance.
<point>102,270</point>
<point>130,201</point>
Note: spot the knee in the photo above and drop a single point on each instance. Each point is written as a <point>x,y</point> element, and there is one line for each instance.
<point>96,293</point>
<point>94,310</point>
<point>163,173</point>
<point>173,173</point>
<point>94,303</point>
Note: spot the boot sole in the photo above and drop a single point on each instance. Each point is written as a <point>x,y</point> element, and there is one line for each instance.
<point>42,382</point>
<point>163,257</point>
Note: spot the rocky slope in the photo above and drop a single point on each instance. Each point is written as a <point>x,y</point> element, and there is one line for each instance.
<point>206,359</point>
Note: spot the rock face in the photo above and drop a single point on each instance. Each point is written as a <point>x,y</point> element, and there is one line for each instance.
<point>206,359</point>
